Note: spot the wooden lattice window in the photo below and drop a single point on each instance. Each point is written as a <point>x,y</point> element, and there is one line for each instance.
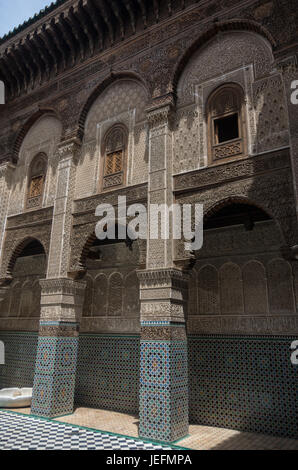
<point>37,175</point>
<point>114,157</point>
<point>226,124</point>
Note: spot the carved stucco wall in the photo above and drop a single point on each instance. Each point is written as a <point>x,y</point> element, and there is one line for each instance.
<point>20,310</point>
<point>122,102</point>
<point>112,292</point>
<point>242,284</point>
<point>44,137</point>
<point>241,57</point>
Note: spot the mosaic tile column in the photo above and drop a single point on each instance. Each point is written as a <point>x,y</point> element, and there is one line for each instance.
<point>56,361</point>
<point>163,374</point>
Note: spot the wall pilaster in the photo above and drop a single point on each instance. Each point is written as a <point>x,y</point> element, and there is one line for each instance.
<point>160,188</point>
<point>62,219</point>
<point>6,171</point>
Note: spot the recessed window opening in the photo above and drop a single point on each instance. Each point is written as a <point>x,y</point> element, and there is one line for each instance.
<point>226,128</point>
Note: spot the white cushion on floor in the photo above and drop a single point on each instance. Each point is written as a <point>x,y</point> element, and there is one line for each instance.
<point>15,397</point>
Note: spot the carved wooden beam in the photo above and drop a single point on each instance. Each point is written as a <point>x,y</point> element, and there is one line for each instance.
<point>49,46</point>
<point>19,55</point>
<point>156,10</point>
<point>54,33</point>
<point>86,25</point>
<point>41,54</point>
<point>117,13</point>
<point>77,30</point>
<point>106,17</point>
<point>9,78</point>
<point>72,27</point>
<point>30,53</point>
<point>142,6</point>
<point>67,37</point>
<point>14,70</point>
<point>94,16</point>
<point>131,15</point>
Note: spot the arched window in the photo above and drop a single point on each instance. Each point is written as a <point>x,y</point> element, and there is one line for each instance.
<point>226,124</point>
<point>114,166</point>
<point>37,176</point>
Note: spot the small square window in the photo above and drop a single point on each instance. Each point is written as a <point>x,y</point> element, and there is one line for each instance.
<point>226,128</point>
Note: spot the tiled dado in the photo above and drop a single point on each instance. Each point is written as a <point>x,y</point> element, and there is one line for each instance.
<point>244,383</point>
<point>108,372</point>
<point>163,382</point>
<point>20,354</point>
<point>55,370</point>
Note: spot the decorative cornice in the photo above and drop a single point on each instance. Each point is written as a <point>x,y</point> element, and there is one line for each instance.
<point>133,194</point>
<point>163,333</point>
<point>162,276</point>
<point>62,286</point>
<point>230,171</point>
<point>35,217</point>
<point>70,32</point>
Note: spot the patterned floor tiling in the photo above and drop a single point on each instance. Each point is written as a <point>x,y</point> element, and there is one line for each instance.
<point>199,438</point>
<point>21,432</point>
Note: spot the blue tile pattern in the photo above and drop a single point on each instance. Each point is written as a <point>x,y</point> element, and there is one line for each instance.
<point>54,380</point>
<point>164,390</point>
<point>108,372</point>
<point>244,383</point>
<point>20,354</point>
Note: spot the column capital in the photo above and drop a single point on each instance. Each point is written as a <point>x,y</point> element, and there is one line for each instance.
<point>69,148</point>
<point>288,66</point>
<point>62,285</point>
<point>3,293</point>
<point>62,299</point>
<point>163,277</point>
<point>5,168</point>
<point>159,115</point>
<point>163,294</point>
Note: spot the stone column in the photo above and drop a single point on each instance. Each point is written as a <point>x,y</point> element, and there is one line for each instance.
<point>164,377</point>
<point>61,305</point>
<point>163,292</point>
<point>55,369</point>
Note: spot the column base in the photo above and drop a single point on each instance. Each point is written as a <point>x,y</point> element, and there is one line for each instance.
<point>54,380</point>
